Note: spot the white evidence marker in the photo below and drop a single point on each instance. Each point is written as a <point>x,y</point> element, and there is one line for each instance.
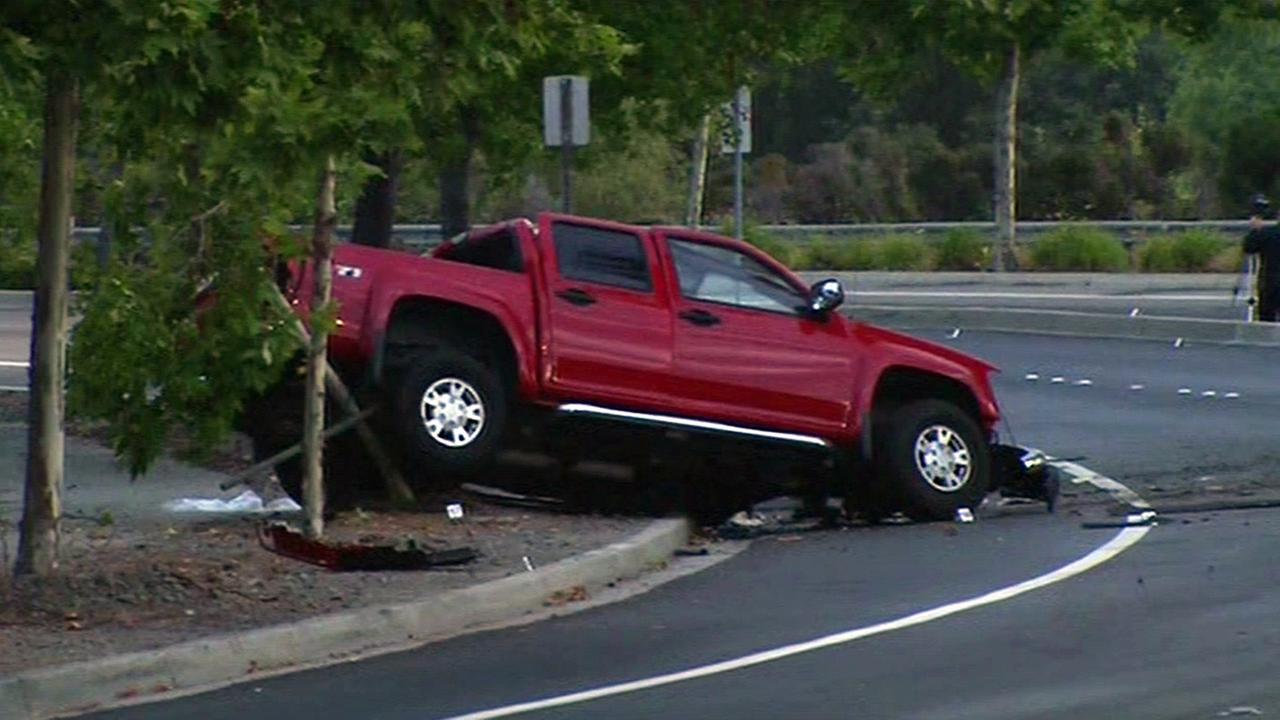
<point>1057,379</point>
<point>454,511</point>
<point>1032,377</point>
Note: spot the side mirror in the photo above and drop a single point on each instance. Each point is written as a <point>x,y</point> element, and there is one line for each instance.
<point>825,296</point>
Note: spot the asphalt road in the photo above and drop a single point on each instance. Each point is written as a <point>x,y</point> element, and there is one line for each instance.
<point>15,333</point>
<point>1210,296</point>
<point>1186,623</point>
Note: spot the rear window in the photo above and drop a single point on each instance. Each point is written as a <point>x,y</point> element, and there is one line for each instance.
<point>499,250</point>
<point>605,257</point>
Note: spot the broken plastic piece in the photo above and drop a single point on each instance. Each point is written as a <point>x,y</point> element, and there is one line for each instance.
<point>454,511</point>
<point>283,540</point>
<point>964,515</point>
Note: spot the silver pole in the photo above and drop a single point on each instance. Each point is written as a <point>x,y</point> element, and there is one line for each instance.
<point>737,167</point>
<point>566,145</point>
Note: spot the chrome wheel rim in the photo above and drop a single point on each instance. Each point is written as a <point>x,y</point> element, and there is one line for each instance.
<point>943,458</point>
<point>452,412</point>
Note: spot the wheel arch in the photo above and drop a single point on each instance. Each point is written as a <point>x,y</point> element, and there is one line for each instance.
<point>418,321</point>
<point>899,385</point>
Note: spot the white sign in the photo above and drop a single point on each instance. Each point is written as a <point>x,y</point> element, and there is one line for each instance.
<point>736,122</point>
<point>566,113</point>
<point>454,511</point>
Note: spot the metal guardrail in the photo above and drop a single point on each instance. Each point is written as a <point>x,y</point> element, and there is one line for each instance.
<point>421,236</point>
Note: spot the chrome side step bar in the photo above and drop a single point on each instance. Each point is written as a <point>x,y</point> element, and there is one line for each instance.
<point>586,410</point>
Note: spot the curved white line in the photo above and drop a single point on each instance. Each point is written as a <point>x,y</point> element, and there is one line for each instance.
<point>1122,541</point>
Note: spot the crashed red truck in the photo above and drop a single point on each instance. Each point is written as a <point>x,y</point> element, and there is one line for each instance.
<point>580,336</point>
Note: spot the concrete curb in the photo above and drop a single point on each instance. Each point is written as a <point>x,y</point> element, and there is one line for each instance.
<point>226,659</point>
<point>1058,322</point>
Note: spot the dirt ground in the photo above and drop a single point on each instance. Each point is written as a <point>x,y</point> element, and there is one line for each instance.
<point>121,589</point>
<point>126,586</point>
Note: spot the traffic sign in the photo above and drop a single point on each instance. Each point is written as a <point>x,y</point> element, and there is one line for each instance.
<point>565,110</point>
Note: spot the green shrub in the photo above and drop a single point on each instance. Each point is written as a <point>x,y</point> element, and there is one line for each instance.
<point>962,250</point>
<point>1079,248</point>
<point>17,264</point>
<point>902,252</point>
<point>1191,251</point>
<point>781,250</point>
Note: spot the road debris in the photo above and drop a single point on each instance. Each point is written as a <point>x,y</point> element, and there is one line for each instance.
<point>246,502</point>
<point>577,593</point>
<point>407,554</point>
<point>498,496</point>
<point>1032,377</point>
<point>1083,383</point>
<point>1240,710</point>
<point>1137,386</point>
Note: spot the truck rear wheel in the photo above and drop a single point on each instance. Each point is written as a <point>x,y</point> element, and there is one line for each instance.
<point>451,413</point>
<point>933,460</point>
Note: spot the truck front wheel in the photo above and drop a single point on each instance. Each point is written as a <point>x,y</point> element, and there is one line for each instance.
<point>934,460</point>
<point>451,412</point>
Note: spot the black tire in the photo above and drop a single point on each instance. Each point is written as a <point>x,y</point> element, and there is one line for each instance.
<point>273,422</point>
<point>901,462</point>
<point>430,458</point>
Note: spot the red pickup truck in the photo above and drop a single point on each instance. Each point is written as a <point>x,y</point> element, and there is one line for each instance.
<point>660,327</point>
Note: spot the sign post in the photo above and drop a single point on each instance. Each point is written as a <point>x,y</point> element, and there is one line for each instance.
<point>737,140</point>
<point>566,124</point>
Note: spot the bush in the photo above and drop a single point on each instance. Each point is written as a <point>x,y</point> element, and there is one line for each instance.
<point>1080,249</point>
<point>962,250</point>
<point>902,252</point>
<point>17,264</point>
<point>1192,251</point>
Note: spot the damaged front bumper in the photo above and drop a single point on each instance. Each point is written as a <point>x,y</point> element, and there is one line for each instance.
<point>1023,472</point>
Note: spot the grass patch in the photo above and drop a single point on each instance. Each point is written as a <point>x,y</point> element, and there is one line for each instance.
<point>963,250</point>
<point>1191,251</point>
<point>1080,249</point>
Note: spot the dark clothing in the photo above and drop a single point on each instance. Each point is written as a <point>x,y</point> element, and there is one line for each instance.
<point>1265,242</point>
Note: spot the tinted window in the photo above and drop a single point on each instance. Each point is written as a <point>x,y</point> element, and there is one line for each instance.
<point>607,257</point>
<point>499,250</point>
<point>720,275</point>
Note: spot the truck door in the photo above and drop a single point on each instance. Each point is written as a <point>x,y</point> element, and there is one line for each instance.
<point>607,310</point>
<point>745,351</point>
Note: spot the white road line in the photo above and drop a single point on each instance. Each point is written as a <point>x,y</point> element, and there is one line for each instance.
<point>1220,299</point>
<point>15,363</point>
<point>1123,540</point>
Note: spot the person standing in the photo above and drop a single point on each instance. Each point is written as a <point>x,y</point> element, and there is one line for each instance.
<point>1263,240</point>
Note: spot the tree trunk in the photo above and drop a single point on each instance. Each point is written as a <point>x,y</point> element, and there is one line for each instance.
<point>42,500</point>
<point>317,355</point>
<point>698,174</point>
<point>376,208</point>
<point>1006,163</point>
<point>455,178</point>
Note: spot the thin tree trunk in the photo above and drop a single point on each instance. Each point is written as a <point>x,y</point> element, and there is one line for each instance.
<point>317,360</point>
<point>376,208</point>
<point>698,173</point>
<point>42,499</point>
<point>455,178</point>
<point>1006,162</point>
